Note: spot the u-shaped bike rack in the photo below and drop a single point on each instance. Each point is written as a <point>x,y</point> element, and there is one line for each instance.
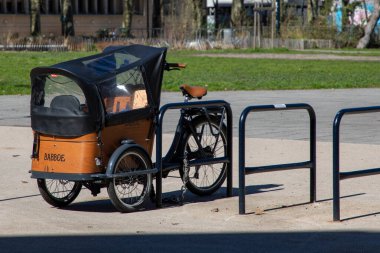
<point>188,105</point>
<point>243,170</point>
<point>337,175</point>
<point>311,164</point>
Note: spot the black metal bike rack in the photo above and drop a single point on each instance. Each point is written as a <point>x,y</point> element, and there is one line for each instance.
<point>311,164</point>
<point>337,175</point>
<point>188,105</point>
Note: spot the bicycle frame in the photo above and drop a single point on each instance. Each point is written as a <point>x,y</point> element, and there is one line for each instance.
<point>226,159</point>
<point>173,160</point>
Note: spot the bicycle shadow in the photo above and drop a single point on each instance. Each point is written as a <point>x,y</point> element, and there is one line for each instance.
<point>170,199</point>
<point>221,193</point>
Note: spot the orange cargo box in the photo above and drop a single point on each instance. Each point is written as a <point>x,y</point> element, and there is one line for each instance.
<point>67,155</point>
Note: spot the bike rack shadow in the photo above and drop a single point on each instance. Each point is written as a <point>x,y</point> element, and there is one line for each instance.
<point>20,197</point>
<point>311,164</point>
<point>189,105</point>
<point>360,216</point>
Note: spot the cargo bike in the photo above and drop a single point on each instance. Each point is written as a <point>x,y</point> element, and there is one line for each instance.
<point>94,121</point>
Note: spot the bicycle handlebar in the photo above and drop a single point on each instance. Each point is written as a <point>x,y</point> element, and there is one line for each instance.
<point>174,66</point>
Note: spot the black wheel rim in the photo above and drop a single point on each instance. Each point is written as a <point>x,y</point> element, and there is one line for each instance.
<point>206,176</point>
<point>61,190</point>
<point>131,190</point>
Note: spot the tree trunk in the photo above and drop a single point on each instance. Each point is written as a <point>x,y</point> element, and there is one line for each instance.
<point>127,16</point>
<point>186,18</point>
<point>35,20</point>
<point>198,17</point>
<point>237,13</point>
<point>364,41</point>
<point>311,10</point>
<point>67,18</point>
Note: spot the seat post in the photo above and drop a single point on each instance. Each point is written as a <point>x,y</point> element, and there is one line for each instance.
<point>186,98</point>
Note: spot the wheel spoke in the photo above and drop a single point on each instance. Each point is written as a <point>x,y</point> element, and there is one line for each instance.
<point>209,177</point>
<point>58,193</point>
<point>130,192</point>
<point>59,188</point>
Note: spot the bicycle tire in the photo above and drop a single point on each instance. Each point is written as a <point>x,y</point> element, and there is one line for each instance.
<point>205,179</point>
<point>130,193</point>
<point>58,193</point>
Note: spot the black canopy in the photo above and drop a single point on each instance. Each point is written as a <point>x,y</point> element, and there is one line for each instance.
<point>91,74</point>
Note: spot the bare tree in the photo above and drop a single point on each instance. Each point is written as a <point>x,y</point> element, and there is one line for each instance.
<point>312,13</point>
<point>35,20</point>
<point>191,16</point>
<point>67,18</point>
<point>237,13</point>
<point>127,16</point>
<point>370,27</point>
<point>197,14</point>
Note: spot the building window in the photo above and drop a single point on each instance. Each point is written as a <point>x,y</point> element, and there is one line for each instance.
<point>103,7</point>
<point>12,6</point>
<point>93,7</point>
<point>138,7</point>
<point>111,7</point>
<point>83,7</point>
<point>20,7</point>
<point>119,8</point>
<point>53,7</point>
<point>9,7</point>
<point>43,8</point>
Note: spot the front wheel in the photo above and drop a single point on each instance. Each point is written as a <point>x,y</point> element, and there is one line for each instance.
<point>129,193</point>
<point>205,179</point>
<point>58,193</point>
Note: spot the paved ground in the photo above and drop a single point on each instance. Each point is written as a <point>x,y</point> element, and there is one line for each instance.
<point>284,125</point>
<point>278,217</point>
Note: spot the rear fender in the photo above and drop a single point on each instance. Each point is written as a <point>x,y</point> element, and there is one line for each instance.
<point>125,145</point>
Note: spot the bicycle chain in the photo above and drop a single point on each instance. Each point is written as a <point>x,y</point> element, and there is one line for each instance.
<point>185,178</point>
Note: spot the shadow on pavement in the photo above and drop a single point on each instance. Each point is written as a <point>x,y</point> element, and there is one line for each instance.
<point>308,241</point>
<point>105,206</point>
<point>19,197</point>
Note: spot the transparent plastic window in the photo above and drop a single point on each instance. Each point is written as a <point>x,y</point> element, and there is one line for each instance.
<point>63,93</point>
<point>125,92</point>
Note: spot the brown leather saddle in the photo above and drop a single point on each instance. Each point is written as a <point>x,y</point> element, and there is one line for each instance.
<point>193,91</point>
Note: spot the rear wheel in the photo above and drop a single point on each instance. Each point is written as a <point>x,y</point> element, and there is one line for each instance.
<point>129,193</point>
<point>58,193</point>
<point>205,179</point>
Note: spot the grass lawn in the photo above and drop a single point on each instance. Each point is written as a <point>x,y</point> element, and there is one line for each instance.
<point>259,74</point>
<point>217,73</point>
<point>15,68</point>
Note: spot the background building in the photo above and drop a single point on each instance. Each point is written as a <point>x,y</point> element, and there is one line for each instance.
<point>90,16</point>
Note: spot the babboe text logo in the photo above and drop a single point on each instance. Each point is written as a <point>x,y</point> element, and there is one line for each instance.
<point>54,157</point>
